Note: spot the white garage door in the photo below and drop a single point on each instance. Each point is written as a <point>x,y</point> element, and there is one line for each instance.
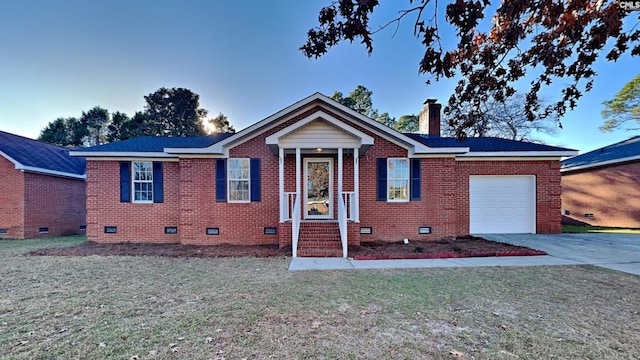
<point>502,204</point>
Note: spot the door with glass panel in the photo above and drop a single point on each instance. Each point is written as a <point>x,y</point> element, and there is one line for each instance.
<point>318,189</point>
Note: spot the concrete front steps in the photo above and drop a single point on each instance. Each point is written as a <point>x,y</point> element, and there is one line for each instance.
<point>319,239</point>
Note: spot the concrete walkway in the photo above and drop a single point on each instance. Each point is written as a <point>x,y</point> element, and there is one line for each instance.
<point>613,251</point>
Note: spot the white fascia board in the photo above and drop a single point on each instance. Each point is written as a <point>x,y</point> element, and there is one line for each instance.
<point>602,163</point>
<point>12,160</point>
<point>51,172</point>
<point>558,154</point>
<point>213,149</point>
<point>19,166</point>
<point>364,138</point>
<point>131,154</point>
<point>421,149</point>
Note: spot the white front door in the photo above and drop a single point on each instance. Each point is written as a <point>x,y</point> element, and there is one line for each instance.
<point>318,188</point>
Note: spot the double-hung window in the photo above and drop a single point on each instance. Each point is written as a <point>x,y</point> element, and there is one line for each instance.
<point>142,173</point>
<point>397,179</point>
<point>238,178</point>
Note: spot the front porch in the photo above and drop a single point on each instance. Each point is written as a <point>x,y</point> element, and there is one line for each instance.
<point>318,179</point>
<point>319,205</point>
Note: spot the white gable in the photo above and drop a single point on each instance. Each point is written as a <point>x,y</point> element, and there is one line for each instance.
<point>319,133</point>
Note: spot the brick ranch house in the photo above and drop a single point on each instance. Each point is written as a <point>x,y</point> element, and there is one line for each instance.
<point>42,189</point>
<point>602,187</point>
<point>318,176</point>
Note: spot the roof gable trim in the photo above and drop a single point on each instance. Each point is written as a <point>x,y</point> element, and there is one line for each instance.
<point>323,116</point>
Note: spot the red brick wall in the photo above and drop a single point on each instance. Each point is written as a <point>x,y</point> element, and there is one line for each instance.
<point>190,203</point>
<point>11,200</point>
<point>611,194</point>
<point>547,174</point>
<point>54,202</point>
<point>135,222</point>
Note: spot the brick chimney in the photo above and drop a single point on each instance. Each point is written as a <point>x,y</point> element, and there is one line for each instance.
<point>429,118</point>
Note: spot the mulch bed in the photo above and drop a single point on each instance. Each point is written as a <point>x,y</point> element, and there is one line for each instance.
<point>461,247</point>
<point>458,248</point>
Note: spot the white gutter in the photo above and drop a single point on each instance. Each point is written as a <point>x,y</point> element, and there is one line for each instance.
<point>96,154</point>
<point>520,153</point>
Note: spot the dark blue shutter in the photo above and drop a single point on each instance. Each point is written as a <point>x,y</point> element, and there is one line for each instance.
<point>381,176</point>
<point>415,178</point>
<point>125,181</point>
<point>221,179</point>
<point>157,182</point>
<point>254,179</point>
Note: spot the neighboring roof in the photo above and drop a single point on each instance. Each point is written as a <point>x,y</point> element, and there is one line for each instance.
<point>37,156</point>
<point>621,152</point>
<point>492,145</point>
<point>150,145</point>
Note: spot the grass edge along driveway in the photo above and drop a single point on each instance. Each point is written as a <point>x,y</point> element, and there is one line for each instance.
<point>164,308</point>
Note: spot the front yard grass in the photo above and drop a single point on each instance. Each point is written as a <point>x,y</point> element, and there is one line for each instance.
<point>233,308</point>
<point>597,229</point>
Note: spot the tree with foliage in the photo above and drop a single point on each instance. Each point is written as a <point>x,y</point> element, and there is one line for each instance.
<point>407,124</point>
<point>56,132</point>
<point>507,120</point>
<point>542,42</point>
<point>65,132</point>
<point>174,112</point>
<point>360,100</point>
<point>96,121</point>
<point>624,107</point>
<point>221,124</point>
<point>117,128</point>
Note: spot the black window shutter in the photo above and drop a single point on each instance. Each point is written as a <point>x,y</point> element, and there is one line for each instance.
<point>157,182</point>
<point>125,181</point>
<point>254,164</point>
<point>381,176</point>
<point>415,178</point>
<point>221,179</point>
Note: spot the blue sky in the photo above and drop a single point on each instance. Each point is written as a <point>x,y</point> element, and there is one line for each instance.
<point>59,58</point>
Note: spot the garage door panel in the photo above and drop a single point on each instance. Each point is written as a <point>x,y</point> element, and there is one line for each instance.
<point>502,204</point>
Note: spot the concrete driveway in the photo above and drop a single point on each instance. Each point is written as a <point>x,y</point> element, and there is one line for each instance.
<point>613,251</point>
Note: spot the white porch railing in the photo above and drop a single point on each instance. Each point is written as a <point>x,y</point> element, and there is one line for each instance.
<point>342,222</point>
<point>295,225</point>
<point>286,205</point>
<point>350,200</point>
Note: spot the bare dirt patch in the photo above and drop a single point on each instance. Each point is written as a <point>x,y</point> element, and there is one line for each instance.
<point>461,247</point>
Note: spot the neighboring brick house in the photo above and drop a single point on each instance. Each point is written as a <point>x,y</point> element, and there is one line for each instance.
<point>42,189</point>
<point>319,175</point>
<point>602,187</point>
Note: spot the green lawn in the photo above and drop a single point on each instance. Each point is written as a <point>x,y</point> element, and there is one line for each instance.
<point>597,229</point>
<point>167,308</point>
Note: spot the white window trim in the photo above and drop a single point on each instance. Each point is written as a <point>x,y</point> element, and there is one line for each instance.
<point>134,181</point>
<point>229,181</point>
<point>408,179</point>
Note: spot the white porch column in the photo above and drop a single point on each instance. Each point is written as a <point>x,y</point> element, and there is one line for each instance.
<point>356,185</point>
<point>340,174</point>
<point>298,176</point>
<point>283,201</point>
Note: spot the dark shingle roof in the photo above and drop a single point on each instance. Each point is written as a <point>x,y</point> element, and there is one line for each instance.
<point>487,144</point>
<point>608,154</point>
<point>38,154</point>
<point>158,143</point>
